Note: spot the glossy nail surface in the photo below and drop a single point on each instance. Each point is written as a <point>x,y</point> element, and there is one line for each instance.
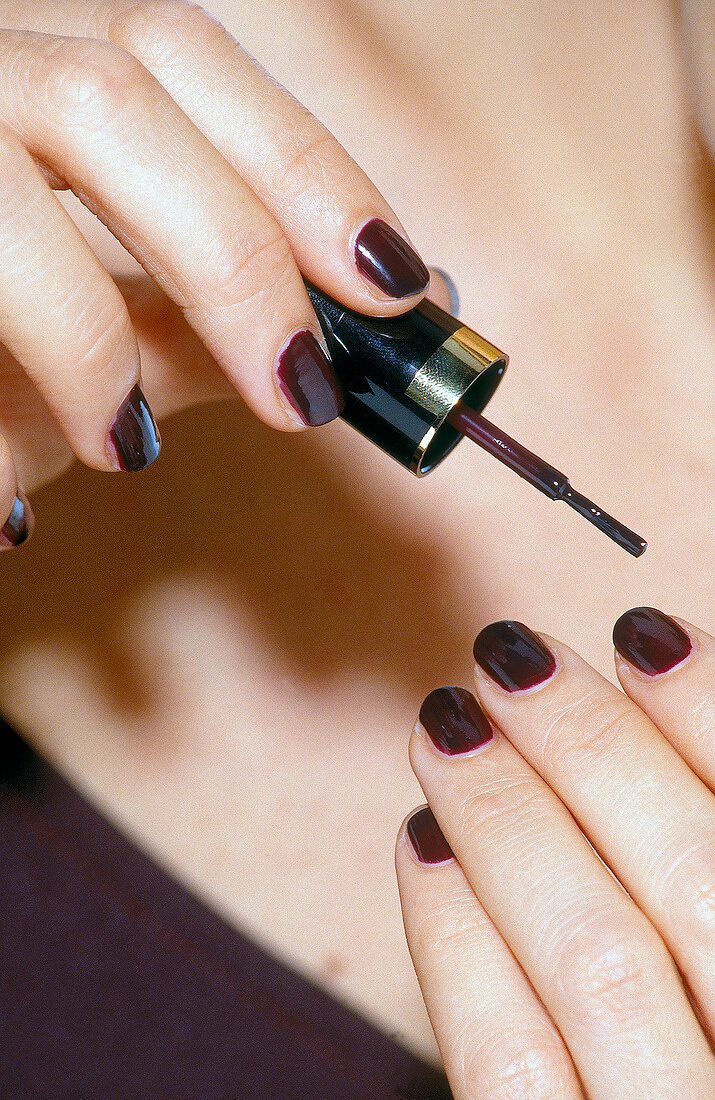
<point>650,641</point>
<point>454,721</point>
<point>307,379</point>
<point>18,525</point>
<point>427,839</point>
<point>134,435</point>
<point>513,656</point>
<point>388,261</point>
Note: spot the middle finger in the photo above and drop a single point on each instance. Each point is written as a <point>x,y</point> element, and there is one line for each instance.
<point>598,965</point>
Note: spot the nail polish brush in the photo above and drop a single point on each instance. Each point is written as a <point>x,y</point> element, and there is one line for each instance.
<point>417,384</point>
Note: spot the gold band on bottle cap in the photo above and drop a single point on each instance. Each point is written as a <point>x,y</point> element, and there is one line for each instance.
<point>445,378</point>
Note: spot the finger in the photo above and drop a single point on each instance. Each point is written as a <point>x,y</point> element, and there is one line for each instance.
<point>698,32</point>
<point>645,812</point>
<point>18,522</point>
<point>443,291</point>
<point>93,114</point>
<point>495,1038</point>
<point>598,965</point>
<point>667,667</point>
<point>85,363</point>
<point>344,236</point>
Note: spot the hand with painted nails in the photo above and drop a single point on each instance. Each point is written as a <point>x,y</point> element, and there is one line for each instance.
<point>558,890</point>
<point>224,188</point>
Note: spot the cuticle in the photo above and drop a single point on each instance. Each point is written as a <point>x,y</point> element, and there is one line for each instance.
<point>420,730</point>
<point>649,677</point>
<point>521,691</point>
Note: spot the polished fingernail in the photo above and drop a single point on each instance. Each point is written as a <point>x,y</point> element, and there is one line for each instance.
<point>308,381</point>
<point>134,436</point>
<point>427,839</point>
<point>388,261</point>
<point>19,524</point>
<point>513,656</point>
<point>650,641</point>
<point>454,721</point>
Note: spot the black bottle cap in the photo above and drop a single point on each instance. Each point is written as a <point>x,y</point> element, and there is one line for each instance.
<point>402,376</point>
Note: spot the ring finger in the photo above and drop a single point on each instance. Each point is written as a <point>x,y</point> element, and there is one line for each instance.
<point>597,964</point>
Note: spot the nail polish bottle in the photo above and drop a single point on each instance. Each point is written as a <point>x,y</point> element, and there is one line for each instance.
<point>416,384</point>
<point>403,375</point>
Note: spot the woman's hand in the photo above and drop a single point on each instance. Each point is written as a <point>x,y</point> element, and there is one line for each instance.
<point>221,185</point>
<point>569,947</point>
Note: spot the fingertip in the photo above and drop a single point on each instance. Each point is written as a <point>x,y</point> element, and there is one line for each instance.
<point>443,291</point>
<point>649,642</point>
<point>134,441</point>
<point>387,261</point>
<point>310,390</point>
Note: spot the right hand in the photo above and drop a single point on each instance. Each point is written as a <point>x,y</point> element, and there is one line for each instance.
<point>218,182</point>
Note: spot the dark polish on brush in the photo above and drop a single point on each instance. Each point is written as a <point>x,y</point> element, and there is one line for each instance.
<point>650,641</point>
<point>513,656</point>
<point>427,839</point>
<point>388,261</point>
<point>19,524</point>
<point>544,477</point>
<point>307,379</point>
<point>134,434</point>
<point>454,721</point>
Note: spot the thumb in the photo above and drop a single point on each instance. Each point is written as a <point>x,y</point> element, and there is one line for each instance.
<point>442,291</point>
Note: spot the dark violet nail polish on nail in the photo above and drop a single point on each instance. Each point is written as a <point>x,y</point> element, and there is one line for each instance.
<point>427,838</point>
<point>134,434</point>
<point>388,261</point>
<point>650,641</point>
<point>454,721</point>
<point>19,524</point>
<point>513,656</point>
<point>307,379</point>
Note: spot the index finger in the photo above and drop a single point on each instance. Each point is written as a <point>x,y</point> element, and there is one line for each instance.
<point>343,234</point>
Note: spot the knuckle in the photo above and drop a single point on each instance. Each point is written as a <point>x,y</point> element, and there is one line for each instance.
<point>92,83</point>
<point>611,971</point>
<point>104,341</point>
<point>248,269</point>
<point>449,928</point>
<point>306,168</point>
<point>688,892</point>
<point>516,1066</point>
<point>505,802</point>
<point>586,728</point>
<point>152,27</point>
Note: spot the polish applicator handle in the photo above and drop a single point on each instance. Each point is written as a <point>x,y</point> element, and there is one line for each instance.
<point>416,384</point>
<point>547,479</point>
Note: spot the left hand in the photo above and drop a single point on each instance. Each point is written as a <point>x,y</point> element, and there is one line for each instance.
<point>568,948</point>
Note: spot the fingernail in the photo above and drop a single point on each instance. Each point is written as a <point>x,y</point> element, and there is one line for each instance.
<point>454,721</point>
<point>427,839</point>
<point>513,656</point>
<point>388,261</point>
<point>307,379</point>
<point>650,641</point>
<point>134,436</point>
<point>452,288</point>
<point>19,524</point>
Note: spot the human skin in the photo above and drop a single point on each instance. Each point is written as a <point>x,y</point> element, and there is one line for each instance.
<point>241,697</point>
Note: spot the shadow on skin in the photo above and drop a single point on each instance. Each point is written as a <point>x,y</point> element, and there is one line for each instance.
<point>333,582</point>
